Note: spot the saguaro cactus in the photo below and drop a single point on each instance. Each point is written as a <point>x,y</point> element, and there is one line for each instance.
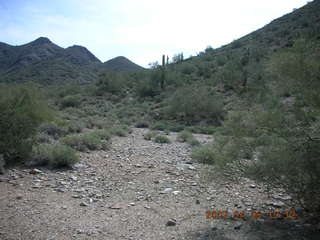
<point>163,74</point>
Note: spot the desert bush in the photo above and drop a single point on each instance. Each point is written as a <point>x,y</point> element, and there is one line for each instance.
<point>188,68</point>
<point>161,139</point>
<point>70,101</point>
<point>51,129</point>
<point>22,110</point>
<point>276,143</point>
<point>56,156</point>
<point>111,82</point>
<point>142,125</point>
<point>186,136</point>
<point>202,129</point>
<point>96,140</point>
<point>149,135</point>
<point>75,126</point>
<point>103,134</point>
<point>42,138</point>
<point>161,126</point>
<point>194,104</point>
<point>120,131</point>
<point>204,154</point>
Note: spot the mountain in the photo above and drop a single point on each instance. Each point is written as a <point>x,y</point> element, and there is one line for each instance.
<point>45,62</point>
<point>120,64</point>
<point>80,55</point>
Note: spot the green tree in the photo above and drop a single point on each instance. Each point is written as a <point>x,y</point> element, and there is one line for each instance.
<point>22,109</point>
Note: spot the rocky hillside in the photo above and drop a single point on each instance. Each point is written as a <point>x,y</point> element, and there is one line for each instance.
<point>120,64</point>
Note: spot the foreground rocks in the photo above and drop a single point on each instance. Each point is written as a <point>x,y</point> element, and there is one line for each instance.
<point>140,190</point>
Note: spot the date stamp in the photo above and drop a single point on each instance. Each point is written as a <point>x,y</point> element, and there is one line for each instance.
<point>290,214</point>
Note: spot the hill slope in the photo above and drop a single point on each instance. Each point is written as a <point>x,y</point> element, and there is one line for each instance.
<point>120,64</point>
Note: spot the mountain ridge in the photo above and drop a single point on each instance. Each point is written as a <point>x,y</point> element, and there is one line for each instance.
<point>72,64</point>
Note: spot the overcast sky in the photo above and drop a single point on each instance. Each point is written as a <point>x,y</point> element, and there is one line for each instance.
<point>141,30</point>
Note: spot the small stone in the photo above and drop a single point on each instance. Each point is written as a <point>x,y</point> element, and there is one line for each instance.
<point>197,202</point>
<point>79,190</point>
<point>35,171</point>
<point>116,206</point>
<point>73,178</point>
<point>19,197</point>
<point>192,168</point>
<point>60,190</point>
<point>171,222</point>
<point>75,196</point>
<point>252,186</point>
<point>147,207</point>
<point>175,192</point>
<point>79,165</point>
<point>166,190</point>
<point>64,207</point>
<point>83,204</point>
<point>278,204</point>
<point>238,226</point>
<point>79,231</point>
<point>132,204</point>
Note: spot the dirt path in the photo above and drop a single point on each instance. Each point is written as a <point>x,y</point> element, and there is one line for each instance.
<point>132,192</point>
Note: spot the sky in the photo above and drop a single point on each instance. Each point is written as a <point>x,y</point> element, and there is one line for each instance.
<point>141,30</point>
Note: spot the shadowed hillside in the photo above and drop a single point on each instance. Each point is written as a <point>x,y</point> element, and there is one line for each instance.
<point>45,62</point>
<point>120,64</point>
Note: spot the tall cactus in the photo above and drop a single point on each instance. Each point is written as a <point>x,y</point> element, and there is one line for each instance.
<point>163,74</point>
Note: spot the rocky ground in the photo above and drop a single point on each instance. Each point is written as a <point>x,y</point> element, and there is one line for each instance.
<point>142,190</point>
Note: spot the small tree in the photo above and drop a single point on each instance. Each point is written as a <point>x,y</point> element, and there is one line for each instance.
<point>22,109</point>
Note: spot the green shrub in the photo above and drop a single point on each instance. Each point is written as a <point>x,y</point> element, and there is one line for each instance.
<point>51,129</point>
<point>103,134</point>
<point>120,131</point>
<point>42,138</point>
<point>188,68</point>
<point>110,82</point>
<point>56,156</point>
<point>193,104</point>
<point>75,127</point>
<point>162,139</point>
<point>22,110</point>
<point>204,154</point>
<point>149,135</point>
<point>70,101</point>
<point>142,125</point>
<point>193,142</point>
<point>176,127</point>
<point>186,136</point>
<point>203,129</point>
<point>96,140</point>
<point>275,142</point>
<point>161,126</point>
